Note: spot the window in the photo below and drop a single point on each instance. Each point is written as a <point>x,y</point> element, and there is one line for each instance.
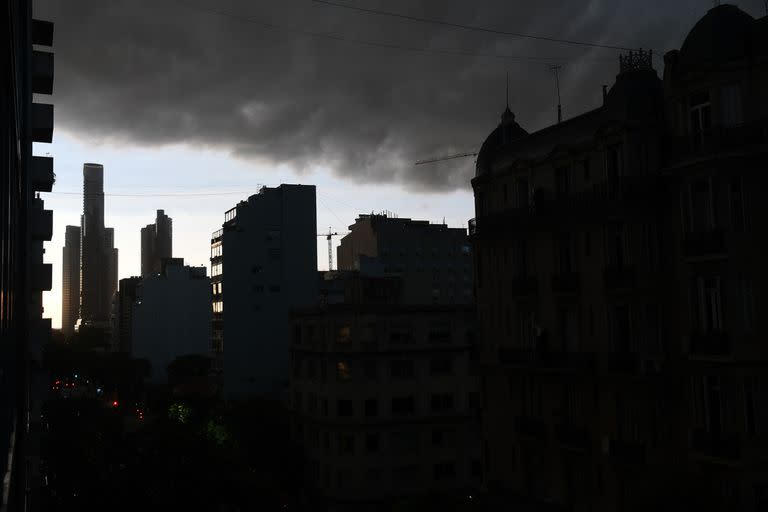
<point>444,471</point>
<point>439,438</point>
<point>650,247</point>
<point>441,366</point>
<point>273,235</point>
<point>714,405</point>
<point>256,269</point>
<point>749,406</point>
<point>344,335</point>
<point>572,404</point>
<point>442,402</point>
<point>738,217</point>
<point>748,305</point>
<point>405,442</point>
<point>274,288</point>
<point>701,214</point>
<point>371,407</point>
<point>275,254</point>
<point>402,405</point>
<point>531,397</point>
<point>372,443</point>
<point>401,335</point>
<point>344,408</point>
<point>473,398</point>
<point>706,304</point>
<point>731,112</point>
<point>370,369</point>
<point>216,269</point>
<point>324,406</point>
<point>440,332</point>
<point>218,307</point>
<point>620,328</point>
<point>585,166</point>
<point>700,111</point>
<point>519,263</point>
<point>563,253</point>
<point>342,371</point>
<point>562,181</point>
<point>258,288</point>
<point>613,164</point>
<point>527,325</point>
<point>346,444</point>
<point>587,243</point>
<point>616,245</point>
<point>523,192</point>
<point>402,368</point>
<point>627,418</point>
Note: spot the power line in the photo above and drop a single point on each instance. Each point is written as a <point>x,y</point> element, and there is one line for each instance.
<point>179,194</point>
<point>471,27</point>
<point>378,44</point>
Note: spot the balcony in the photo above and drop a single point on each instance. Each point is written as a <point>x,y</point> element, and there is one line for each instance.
<point>629,452</point>
<point>619,277</point>
<point>705,243</point>
<point>718,141</point>
<point>541,358</point>
<point>531,427</point>
<point>566,283</point>
<point>42,173</point>
<point>524,286</point>
<point>715,445</point>
<point>571,436</point>
<point>712,343</point>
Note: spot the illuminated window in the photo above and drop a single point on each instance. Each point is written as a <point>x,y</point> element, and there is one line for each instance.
<point>218,307</point>
<point>342,371</point>
<point>344,335</point>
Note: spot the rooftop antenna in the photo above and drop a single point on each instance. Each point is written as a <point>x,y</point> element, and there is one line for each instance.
<point>507,88</point>
<point>556,68</point>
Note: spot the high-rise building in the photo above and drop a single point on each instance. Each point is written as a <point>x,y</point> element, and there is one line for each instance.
<point>122,335</point>
<point>619,264</point>
<point>263,264</point>
<point>156,244</point>
<point>98,256</point>
<point>434,260</point>
<point>171,316</point>
<point>24,227</point>
<point>70,283</point>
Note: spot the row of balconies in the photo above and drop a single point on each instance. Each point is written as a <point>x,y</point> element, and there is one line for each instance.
<point>702,344</point>
<point>614,278</point>
<point>725,447</point>
<point>717,140</point>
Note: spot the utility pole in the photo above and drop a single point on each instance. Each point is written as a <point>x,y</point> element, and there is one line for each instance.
<point>556,68</point>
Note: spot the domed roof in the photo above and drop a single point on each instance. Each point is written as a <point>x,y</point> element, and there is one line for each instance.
<point>507,131</point>
<point>722,35</point>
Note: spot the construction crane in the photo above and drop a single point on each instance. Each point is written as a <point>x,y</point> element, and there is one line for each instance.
<point>328,236</point>
<point>441,158</point>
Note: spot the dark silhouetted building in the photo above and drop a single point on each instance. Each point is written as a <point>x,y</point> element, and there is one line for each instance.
<point>24,226</point>
<point>263,264</point>
<point>156,244</point>
<point>385,405</point>
<point>98,256</point>
<point>434,260</point>
<point>122,328</point>
<point>618,263</point>
<point>171,316</point>
<point>70,281</point>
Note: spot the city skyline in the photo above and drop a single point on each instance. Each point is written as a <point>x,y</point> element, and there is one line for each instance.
<point>472,86</point>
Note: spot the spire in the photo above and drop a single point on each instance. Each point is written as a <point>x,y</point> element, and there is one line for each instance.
<point>507,90</point>
<point>507,116</point>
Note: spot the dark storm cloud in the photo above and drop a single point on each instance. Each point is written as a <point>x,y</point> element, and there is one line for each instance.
<point>153,72</point>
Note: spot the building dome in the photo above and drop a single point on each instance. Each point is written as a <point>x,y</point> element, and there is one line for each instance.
<point>504,134</point>
<point>724,34</point>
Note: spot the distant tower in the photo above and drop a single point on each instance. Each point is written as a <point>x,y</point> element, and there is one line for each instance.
<point>98,257</point>
<point>70,286</point>
<point>156,244</point>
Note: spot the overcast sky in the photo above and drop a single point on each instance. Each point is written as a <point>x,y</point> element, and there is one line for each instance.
<point>201,96</point>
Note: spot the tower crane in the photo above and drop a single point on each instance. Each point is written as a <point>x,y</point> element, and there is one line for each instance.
<point>328,236</point>
<point>448,157</point>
